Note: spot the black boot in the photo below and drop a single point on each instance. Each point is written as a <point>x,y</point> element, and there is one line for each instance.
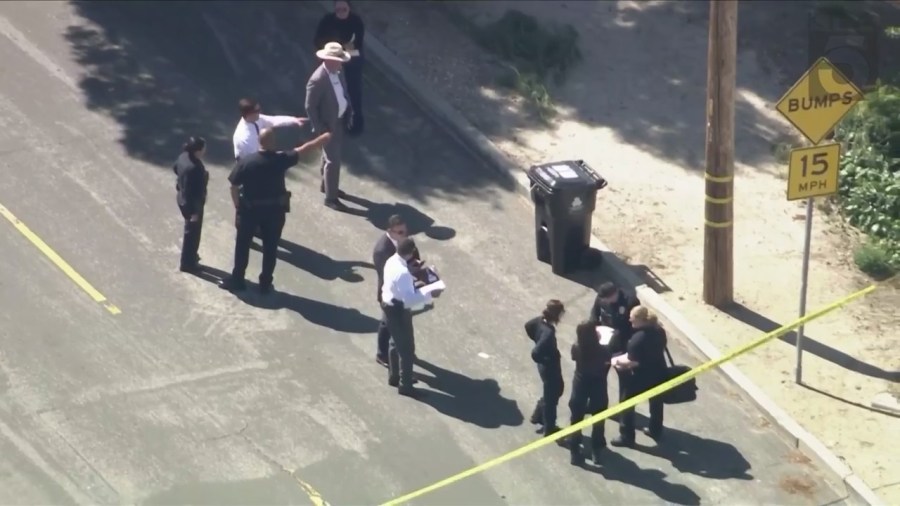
<point>576,458</point>
<point>537,416</point>
<point>597,453</point>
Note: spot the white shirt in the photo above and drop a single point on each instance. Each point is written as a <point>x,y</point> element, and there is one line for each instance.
<point>391,239</point>
<point>246,135</point>
<point>338,92</point>
<point>400,285</point>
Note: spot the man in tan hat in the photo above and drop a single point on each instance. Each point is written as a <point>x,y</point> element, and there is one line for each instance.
<point>328,108</point>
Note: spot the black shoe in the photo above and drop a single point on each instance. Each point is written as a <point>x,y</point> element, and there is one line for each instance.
<point>380,360</point>
<point>336,205</point>
<point>410,392</point>
<point>190,269</point>
<point>233,285</point>
<point>266,288</point>
<point>597,453</point>
<point>341,193</point>
<point>656,436</point>
<point>621,442</point>
<point>576,458</point>
<point>393,382</point>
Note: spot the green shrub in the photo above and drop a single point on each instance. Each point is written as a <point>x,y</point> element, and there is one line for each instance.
<point>536,55</point>
<point>869,189</point>
<point>874,259</point>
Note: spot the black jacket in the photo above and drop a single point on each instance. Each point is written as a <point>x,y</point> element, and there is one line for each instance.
<point>546,349</point>
<point>647,347</point>
<point>332,29</point>
<point>191,182</point>
<point>617,316</point>
<point>383,250</point>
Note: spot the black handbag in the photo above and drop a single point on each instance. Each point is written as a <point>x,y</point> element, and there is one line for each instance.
<point>683,393</point>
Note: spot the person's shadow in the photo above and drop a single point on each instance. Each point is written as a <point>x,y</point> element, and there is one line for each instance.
<point>616,467</point>
<point>317,264</point>
<point>337,318</point>
<point>474,401</point>
<point>697,455</point>
<point>416,221</point>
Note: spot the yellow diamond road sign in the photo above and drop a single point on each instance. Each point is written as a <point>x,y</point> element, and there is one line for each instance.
<point>819,100</point>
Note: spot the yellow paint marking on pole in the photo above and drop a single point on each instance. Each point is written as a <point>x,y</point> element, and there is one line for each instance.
<point>58,261</point>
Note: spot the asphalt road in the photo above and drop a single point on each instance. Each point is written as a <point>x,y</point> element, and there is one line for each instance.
<point>193,396</point>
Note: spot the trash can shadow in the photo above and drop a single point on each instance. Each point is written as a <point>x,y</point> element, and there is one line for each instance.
<point>564,195</point>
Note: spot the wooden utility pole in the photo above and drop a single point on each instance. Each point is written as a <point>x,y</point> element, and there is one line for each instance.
<point>718,251</point>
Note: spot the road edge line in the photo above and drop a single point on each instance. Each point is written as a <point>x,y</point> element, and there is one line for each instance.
<point>389,65</point>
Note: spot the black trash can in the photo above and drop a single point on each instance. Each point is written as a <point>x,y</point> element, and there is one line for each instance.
<point>564,194</point>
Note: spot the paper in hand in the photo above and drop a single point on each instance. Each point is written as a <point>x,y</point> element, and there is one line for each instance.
<point>351,48</point>
<point>619,359</point>
<point>437,285</point>
<point>605,334</point>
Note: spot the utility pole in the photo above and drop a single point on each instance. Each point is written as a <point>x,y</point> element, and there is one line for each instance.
<point>718,250</point>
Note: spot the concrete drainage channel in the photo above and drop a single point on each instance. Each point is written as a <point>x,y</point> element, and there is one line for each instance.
<point>476,142</point>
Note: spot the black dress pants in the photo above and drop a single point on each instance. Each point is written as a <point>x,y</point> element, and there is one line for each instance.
<point>384,338</point>
<point>553,386</point>
<point>353,73</point>
<point>589,397</point>
<point>401,353</point>
<point>190,242</point>
<point>270,220</point>
<point>637,385</point>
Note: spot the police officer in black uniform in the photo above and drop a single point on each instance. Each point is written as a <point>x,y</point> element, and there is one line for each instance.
<point>192,180</point>
<point>542,330</point>
<point>589,390</point>
<point>261,200</point>
<point>612,308</point>
<point>645,362</point>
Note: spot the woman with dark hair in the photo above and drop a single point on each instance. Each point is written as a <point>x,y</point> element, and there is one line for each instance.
<point>192,179</point>
<point>542,330</point>
<point>347,28</point>
<point>589,390</point>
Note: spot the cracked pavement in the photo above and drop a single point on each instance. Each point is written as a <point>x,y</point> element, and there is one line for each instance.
<point>194,396</point>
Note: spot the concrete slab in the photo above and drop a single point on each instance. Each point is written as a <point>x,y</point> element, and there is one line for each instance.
<point>191,395</point>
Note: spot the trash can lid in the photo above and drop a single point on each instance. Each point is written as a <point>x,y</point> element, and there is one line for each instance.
<point>565,175</point>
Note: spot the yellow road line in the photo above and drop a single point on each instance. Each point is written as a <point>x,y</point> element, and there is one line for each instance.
<point>630,403</point>
<point>58,261</point>
<point>314,496</point>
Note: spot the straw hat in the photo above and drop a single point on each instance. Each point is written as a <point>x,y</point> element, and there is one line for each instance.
<point>333,51</point>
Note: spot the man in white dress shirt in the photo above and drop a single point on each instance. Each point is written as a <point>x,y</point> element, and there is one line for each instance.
<point>328,108</point>
<point>398,297</point>
<point>246,134</point>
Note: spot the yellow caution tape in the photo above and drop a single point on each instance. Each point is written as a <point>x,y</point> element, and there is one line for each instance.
<point>634,401</point>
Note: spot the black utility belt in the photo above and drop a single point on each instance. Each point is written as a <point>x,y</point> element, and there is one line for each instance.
<point>282,201</point>
<point>394,304</point>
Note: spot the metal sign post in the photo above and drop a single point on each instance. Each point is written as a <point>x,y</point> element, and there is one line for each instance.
<point>804,285</point>
<point>814,105</point>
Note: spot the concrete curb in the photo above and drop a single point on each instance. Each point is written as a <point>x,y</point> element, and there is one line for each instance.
<point>396,71</point>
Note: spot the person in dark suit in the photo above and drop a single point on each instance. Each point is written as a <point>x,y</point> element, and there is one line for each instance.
<point>542,331</point>
<point>384,249</point>
<point>192,180</point>
<point>589,395</point>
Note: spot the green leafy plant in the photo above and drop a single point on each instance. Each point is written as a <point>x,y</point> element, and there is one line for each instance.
<point>535,55</point>
<point>869,192</point>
